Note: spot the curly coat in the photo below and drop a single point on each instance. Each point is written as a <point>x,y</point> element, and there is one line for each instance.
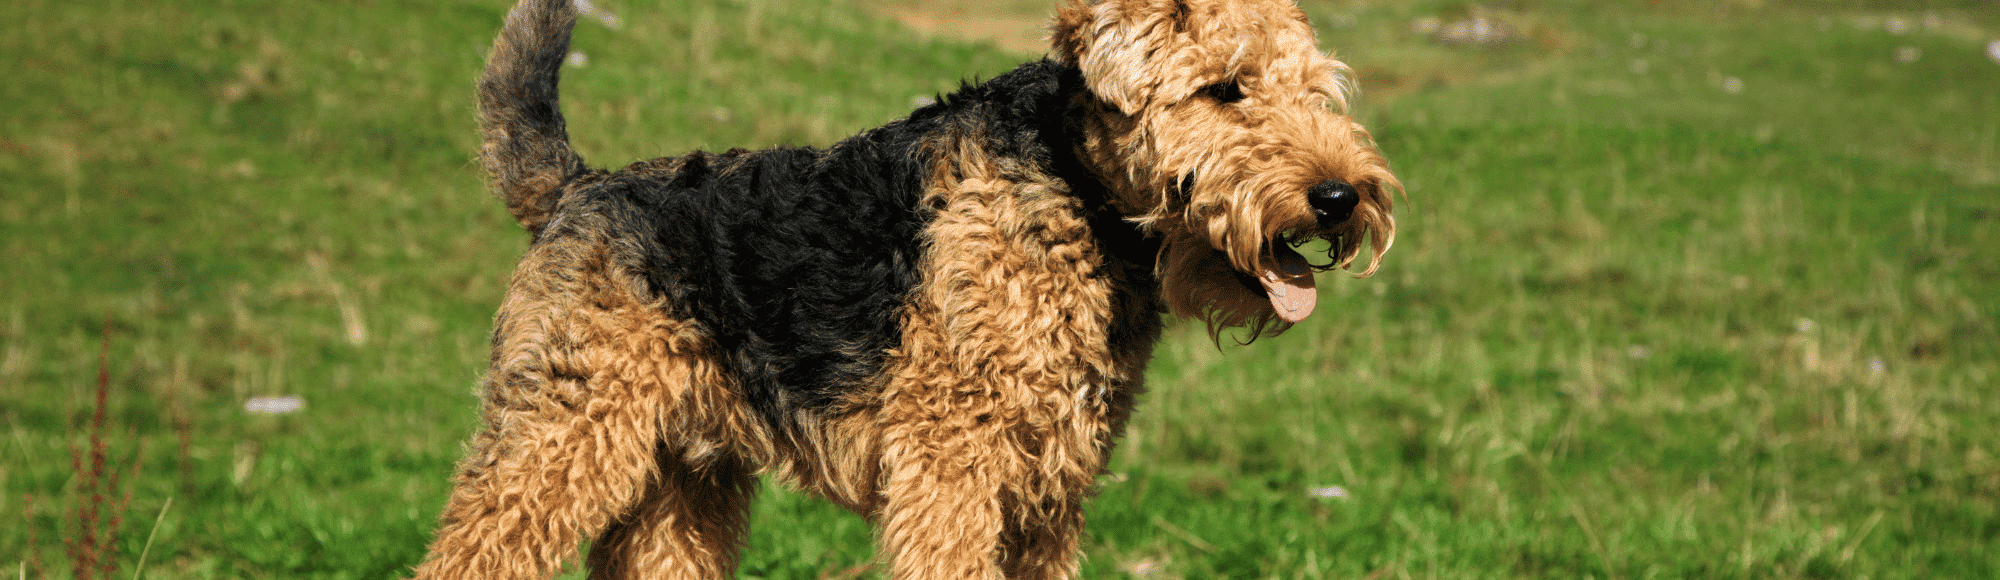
<point>940,324</point>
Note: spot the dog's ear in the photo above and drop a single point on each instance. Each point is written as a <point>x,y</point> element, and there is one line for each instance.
<point>1124,47</point>
<point>1066,31</point>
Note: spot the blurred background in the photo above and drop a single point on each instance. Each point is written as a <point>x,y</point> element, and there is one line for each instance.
<point>1680,289</point>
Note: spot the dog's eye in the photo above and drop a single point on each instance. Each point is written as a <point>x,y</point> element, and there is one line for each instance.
<point>1224,92</point>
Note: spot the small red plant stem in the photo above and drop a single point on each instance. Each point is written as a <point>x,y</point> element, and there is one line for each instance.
<point>34,546</point>
<point>108,557</point>
<point>92,550</point>
<point>73,547</point>
<point>184,434</point>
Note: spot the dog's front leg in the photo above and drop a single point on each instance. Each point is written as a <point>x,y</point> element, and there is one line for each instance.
<point>1000,400</point>
<point>976,490</point>
<point>943,512</point>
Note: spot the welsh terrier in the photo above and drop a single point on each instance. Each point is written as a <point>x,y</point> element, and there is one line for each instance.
<point>940,324</point>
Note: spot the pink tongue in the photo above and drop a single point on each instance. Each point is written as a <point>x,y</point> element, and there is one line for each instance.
<point>1290,286</point>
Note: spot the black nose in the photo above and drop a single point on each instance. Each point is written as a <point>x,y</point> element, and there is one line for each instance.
<point>1332,201</point>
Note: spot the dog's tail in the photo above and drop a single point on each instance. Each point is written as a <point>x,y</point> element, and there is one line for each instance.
<point>524,147</point>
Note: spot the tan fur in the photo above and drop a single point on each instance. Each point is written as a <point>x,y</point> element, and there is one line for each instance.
<point>594,399</point>
<point>1022,350</point>
<point>1147,59</point>
<point>997,405</point>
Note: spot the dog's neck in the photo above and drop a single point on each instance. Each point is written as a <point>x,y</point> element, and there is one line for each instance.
<point>1061,130</point>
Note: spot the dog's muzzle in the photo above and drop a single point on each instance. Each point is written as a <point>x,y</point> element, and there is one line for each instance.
<point>1288,281</point>
<point>1332,201</point>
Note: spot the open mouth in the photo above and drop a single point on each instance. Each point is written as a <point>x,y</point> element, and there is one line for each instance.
<point>1288,282</point>
<point>1287,279</point>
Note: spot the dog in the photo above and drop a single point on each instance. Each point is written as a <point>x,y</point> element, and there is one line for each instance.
<point>940,324</point>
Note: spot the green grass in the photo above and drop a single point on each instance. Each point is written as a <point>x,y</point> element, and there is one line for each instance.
<point>1635,325</point>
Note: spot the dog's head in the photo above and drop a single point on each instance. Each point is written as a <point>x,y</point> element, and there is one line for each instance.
<point>1220,127</point>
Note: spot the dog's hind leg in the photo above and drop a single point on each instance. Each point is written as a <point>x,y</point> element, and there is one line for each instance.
<point>691,524</point>
<point>583,373</point>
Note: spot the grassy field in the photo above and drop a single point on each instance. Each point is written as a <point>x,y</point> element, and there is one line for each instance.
<point>1694,290</point>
